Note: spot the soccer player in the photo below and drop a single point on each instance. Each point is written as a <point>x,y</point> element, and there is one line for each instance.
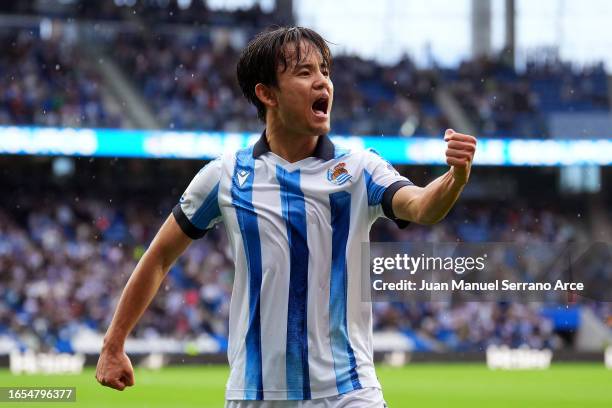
<point>296,209</point>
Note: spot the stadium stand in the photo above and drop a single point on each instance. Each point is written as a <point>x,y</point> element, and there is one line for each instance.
<point>197,13</point>
<point>178,77</point>
<point>69,254</point>
<point>178,74</point>
<point>45,83</point>
<point>507,102</point>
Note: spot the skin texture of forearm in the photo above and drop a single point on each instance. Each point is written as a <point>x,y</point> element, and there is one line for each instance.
<point>430,204</point>
<point>138,293</point>
<point>144,282</point>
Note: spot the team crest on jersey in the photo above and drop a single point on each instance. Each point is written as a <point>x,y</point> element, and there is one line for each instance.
<point>338,174</point>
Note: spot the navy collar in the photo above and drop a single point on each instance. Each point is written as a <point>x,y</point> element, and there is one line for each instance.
<point>324,150</point>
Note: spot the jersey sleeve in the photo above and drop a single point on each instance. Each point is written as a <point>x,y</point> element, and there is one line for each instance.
<point>382,182</point>
<point>198,208</point>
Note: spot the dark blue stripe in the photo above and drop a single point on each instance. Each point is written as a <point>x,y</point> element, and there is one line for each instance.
<point>209,210</point>
<point>345,365</point>
<point>247,220</point>
<point>375,191</point>
<point>294,213</point>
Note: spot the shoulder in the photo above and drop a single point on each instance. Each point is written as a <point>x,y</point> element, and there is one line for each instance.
<point>229,157</point>
<point>217,166</point>
<point>373,158</point>
<point>363,155</point>
<point>357,156</point>
<point>346,149</point>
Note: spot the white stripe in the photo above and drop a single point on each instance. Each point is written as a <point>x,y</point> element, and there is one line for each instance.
<point>359,313</point>
<point>320,358</point>
<point>239,306</point>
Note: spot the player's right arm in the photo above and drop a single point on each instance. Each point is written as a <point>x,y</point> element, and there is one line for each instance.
<point>114,368</point>
<point>197,212</point>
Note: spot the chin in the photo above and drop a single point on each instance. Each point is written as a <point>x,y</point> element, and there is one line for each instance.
<point>321,129</point>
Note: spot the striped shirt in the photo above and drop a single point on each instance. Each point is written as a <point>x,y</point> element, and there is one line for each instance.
<point>298,328</point>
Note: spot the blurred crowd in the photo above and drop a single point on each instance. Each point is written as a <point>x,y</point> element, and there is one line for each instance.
<point>196,12</point>
<point>181,77</point>
<point>502,101</point>
<point>46,83</point>
<point>190,82</point>
<point>187,78</point>
<point>65,263</point>
<point>468,326</point>
<point>377,100</point>
<point>182,59</point>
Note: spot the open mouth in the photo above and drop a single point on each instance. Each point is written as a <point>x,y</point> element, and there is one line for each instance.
<point>319,107</point>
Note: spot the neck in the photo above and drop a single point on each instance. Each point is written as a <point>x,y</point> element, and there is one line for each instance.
<point>289,145</point>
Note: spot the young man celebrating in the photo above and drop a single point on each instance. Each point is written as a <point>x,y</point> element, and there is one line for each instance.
<point>296,209</point>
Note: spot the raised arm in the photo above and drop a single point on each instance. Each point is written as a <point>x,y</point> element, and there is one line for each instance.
<point>114,368</point>
<point>430,204</point>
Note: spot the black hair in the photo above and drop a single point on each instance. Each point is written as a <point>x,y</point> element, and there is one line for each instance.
<point>261,58</point>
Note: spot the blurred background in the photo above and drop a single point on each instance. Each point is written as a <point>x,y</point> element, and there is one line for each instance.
<point>108,109</point>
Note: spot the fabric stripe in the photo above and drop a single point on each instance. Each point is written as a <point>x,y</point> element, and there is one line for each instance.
<point>342,178</point>
<point>375,191</point>
<point>294,214</point>
<point>274,254</point>
<point>209,210</point>
<point>345,365</point>
<point>340,152</point>
<point>247,220</point>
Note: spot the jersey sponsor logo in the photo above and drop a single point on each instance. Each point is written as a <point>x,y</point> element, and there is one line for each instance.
<point>242,177</point>
<point>338,174</point>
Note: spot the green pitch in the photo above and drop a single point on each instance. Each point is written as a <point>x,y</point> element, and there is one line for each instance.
<point>418,385</point>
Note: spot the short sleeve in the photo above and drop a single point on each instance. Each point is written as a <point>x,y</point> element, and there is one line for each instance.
<point>382,182</point>
<point>198,209</point>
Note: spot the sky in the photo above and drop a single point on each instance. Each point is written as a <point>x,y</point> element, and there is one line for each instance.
<point>581,30</point>
<point>441,29</point>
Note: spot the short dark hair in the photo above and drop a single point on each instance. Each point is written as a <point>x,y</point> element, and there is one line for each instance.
<point>263,55</point>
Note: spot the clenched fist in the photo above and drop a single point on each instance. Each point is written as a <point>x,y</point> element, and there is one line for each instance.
<point>460,151</point>
<point>114,369</point>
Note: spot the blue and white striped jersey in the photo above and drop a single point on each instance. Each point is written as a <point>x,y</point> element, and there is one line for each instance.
<point>298,326</point>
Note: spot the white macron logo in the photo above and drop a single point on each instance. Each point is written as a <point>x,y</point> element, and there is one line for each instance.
<point>242,176</point>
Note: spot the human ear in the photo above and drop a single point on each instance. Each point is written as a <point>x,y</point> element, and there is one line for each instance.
<point>266,95</point>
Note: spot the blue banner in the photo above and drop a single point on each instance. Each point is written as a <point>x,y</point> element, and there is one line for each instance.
<point>207,145</point>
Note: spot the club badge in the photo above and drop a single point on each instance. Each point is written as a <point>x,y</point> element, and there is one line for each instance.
<point>338,174</point>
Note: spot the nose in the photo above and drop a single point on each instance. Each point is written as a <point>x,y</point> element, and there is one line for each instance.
<point>322,81</point>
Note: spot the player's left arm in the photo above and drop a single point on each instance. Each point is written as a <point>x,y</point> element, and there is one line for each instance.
<point>430,204</point>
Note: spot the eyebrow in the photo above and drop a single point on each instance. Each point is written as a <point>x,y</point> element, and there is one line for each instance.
<point>308,65</point>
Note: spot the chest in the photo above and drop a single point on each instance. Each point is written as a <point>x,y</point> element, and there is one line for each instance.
<point>292,196</point>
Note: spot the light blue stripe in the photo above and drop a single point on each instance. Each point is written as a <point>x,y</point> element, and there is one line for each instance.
<point>375,191</point>
<point>345,365</point>
<point>294,213</point>
<point>340,152</point>
<point>209,210</point>
<point>247,220</point>
<point>342,178</point>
